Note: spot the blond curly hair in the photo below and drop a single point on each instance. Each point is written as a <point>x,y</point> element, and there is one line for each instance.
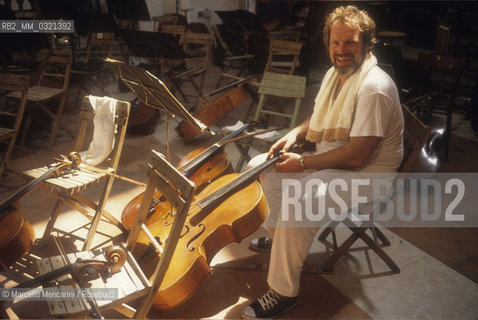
<point>352,17</point>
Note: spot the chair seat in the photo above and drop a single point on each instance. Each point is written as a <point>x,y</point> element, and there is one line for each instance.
<point>246,56</point>
<point>73,181</point>
<point>38,93</point>
<point>6,133</point>
<point>128,282</point>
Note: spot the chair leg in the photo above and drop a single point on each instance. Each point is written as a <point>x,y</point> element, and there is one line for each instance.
<point>330,227</point>
<point>244,156</point>
<point>379,251</point>
<point>357,232</point>
<point>51,222</point>
<point>382,237</point>
<point>26,128</point>
<point>56,122</point>
<point>330,263</point>
<point>98,214</point>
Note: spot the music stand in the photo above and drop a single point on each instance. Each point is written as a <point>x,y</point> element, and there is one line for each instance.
<point>153,92</point>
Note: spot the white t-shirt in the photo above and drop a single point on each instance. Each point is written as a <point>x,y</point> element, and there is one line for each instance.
<point>377,113</point>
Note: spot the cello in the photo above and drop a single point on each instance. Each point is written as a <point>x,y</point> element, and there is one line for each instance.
<point>16,233</point>
<point>227,210</point>
<point>201,166</point>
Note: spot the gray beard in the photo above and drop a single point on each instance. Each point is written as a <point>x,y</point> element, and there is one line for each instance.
<point>347,71</point>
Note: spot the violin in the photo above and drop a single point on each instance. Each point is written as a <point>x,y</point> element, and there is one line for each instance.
<point>227,210</point>
<point>201,166</point>
<point>16,233</point>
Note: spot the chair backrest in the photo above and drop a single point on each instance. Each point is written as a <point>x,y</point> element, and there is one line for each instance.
<point>12,82</point>
<point>415,136</point>
<point>284,86</point>
<point>191,40</point>
<point>55,68</point>
<point>442,39</point>
<point>100,44</point>
<point>177,30</point>
<point>87,115</point>
<point>160,21</point>
<point>283,56</point>
<point>178,190</point>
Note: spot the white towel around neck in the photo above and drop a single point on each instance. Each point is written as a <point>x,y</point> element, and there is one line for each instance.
<point>332,119</point>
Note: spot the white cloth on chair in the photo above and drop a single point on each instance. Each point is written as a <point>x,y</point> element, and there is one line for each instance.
<point>104,130</point>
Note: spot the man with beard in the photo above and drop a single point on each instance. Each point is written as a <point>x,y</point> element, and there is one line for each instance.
<point>357,126</point>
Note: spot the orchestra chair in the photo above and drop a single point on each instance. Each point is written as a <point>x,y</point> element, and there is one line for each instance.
<point>70,188</point>
<point>12,115</point>
<point>415,136</point>
<point>283,56</point>
<point>177,30</point>
<point>52,85</point>
<point>444,74</point>
<point>133,284</point>
<point>282,86</point>
<point>230,60</point>
<point>100,46</point>
<point>193,69</point>
<point>166,20</point>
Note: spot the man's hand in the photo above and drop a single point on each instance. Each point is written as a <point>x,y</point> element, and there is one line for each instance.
<point>289,162</point>
<point>282,145</point>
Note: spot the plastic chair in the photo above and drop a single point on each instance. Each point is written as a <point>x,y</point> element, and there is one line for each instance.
<point>9,133</point>
<point>70,188</point>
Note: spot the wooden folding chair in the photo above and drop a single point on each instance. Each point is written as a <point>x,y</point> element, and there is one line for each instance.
<point>9,133</point>
<point>100,45</point>
<point>52,85</point>
<point>122,273</point>
<point>415,136</point>
<point>177,30</point>
<point>281,86</point>
<point>283,56</point>
<point>195,66</point>
<point>231,60</point>
<point>70,188</point>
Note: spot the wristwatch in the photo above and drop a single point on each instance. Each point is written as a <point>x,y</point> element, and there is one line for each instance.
<point>301,160</point>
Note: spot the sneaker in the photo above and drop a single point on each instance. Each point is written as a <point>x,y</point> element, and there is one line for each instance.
<point>269,306</point>
<point>262,244</point>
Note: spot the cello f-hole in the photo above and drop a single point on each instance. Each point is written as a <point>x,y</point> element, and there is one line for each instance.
<point>203,227</point>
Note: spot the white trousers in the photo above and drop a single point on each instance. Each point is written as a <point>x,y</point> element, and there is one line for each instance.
<point>291,242</point>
